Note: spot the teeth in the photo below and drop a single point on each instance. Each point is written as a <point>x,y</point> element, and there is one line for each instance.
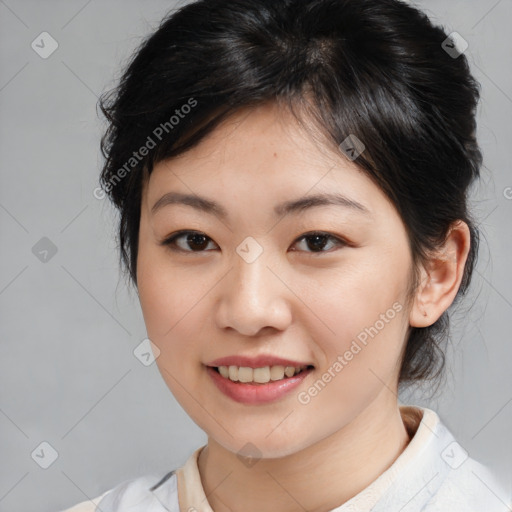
<point>224,371</point>
<point>289,371</point>
<point>258,375</point>
<point>233,373</point>
<point>276,372</point>
<point>245,374</point>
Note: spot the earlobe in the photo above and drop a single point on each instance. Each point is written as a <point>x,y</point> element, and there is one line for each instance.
<point>440,280</point>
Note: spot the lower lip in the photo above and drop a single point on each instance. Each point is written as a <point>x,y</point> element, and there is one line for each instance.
<point>257,393</point>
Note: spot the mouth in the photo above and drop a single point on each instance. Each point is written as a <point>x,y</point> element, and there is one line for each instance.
<point>261,375</point>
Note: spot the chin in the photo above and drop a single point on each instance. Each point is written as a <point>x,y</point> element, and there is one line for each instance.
<point>260,446</point>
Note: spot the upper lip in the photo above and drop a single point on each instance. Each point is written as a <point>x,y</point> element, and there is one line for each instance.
<point>255,362</point>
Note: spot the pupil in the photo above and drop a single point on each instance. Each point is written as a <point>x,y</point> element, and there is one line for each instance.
<point>316,239</point>
<point>193,240</point>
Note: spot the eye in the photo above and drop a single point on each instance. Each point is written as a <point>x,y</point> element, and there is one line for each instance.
<point>318,240</point>
<point>192,239</point>
<point>195,241</point>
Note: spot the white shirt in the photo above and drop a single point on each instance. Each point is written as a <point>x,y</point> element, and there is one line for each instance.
<point>432,474</point>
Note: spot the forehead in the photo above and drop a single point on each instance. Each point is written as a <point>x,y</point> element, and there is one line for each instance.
<point>258,155</point>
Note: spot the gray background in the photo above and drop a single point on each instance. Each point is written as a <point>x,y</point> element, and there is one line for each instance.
<point>69,325</point>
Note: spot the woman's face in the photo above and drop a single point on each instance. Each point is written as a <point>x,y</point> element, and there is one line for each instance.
<point>250,284</point>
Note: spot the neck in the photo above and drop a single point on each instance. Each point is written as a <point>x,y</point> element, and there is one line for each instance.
<point>341,466</point>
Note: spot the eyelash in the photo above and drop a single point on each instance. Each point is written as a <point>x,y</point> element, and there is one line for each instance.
<point>170,241</point>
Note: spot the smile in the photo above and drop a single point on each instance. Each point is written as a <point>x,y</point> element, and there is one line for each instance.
<point>261,375</point>
<point>260,385</point>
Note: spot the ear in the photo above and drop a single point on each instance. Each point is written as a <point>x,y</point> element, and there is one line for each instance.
<point>441,277</point>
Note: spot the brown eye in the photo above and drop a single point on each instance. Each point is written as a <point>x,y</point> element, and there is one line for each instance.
<point>187,241</point>
<point>318,240</point>
<point>195,241</point>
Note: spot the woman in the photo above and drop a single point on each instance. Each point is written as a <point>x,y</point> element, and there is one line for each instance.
<point>292,179</point>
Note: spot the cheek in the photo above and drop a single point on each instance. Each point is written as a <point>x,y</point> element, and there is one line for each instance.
<point>166,292</point>
<point>170,302</point>
<point>167,299</point>
<point>360,358</point>
<point>364,308</point>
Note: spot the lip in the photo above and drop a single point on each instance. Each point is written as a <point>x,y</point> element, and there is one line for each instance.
<point>256,362</point>
<point>256,393</point>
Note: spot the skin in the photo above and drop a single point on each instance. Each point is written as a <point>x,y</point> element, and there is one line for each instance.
<point>290,302</point>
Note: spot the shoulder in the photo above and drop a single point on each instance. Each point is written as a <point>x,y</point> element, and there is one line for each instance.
<point>465,483</point>
<point>471,487</point>
<point>147,492</point>
<point>447,478</point>
<point>436,474</point>
<point>87,506</point>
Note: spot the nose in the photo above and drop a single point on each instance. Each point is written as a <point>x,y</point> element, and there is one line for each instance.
<point>254,298</point>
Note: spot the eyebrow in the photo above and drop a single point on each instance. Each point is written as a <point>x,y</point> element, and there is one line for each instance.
<point>294,206</point>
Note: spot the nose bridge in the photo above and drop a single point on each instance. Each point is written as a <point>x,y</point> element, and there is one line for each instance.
<point>251,280</point>
<point>253,297</point>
